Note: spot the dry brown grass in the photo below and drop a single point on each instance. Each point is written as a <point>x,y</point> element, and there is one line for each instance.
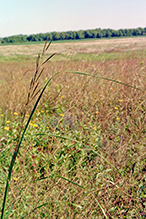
<point>71,48</point>
<point>88,104</point>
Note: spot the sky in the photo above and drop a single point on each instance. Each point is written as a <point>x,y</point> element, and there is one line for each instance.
<point>42,16</point>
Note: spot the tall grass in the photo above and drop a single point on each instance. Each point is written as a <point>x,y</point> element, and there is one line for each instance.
<point>33,92</point>
<point>82,154</point>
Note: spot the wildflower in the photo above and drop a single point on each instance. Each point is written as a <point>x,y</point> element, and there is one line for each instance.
<point>120,101</point>
<point>2,114</point>
<point>97,112</point>
<point>7,121</point>
<point>82,113</point>
<point>34,125</point>
<point>116,108</point>
<point>7,128</point>
<point>62,96</point>
<point>94,127</point>
<point>16,114</point>
<point>27,115</point>
<point>15,178</point>
<point>111,88</point>
<point>42,111</point>
<point>47,127</point>
<point>62,115</point>
<point>118,118</point>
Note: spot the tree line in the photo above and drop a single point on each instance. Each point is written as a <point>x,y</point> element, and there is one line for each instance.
<point>72,35</point>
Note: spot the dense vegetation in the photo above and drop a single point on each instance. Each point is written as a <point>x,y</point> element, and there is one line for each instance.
<point>71,35</point>
<point>83,154</point>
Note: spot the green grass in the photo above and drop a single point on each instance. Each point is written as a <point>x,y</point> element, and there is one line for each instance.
<point>104,56</point>
<point>83,152</point>
<point>16,58</point>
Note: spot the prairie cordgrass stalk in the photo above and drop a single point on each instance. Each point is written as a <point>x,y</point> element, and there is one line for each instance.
<point>33,91</point>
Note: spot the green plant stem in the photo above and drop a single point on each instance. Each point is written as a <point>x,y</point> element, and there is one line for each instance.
<point>18,146</point>
<point>108,79</point>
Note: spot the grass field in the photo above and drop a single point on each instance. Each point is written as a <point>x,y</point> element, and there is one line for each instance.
<point>84,152</point>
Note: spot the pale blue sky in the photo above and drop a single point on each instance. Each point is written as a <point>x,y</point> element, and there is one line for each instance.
<point>41,16</point>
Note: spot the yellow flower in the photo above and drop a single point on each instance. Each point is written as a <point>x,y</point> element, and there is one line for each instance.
<point>120,101</point>
<point>2,114</point>
<point>118,118</point>
<point>27,115</point>
<point>34,125</point>
<point>7,121</point>
<point>111,88</point>
<point>16,114</point>
<point>62,96</point>
<point>82,113</point>
<point>14,178</point>
<point>7,128</point>
<point>97,112</point>
<point>62,115</point>
<point>42,111</point>
<point>116,108</point>
<point>94,127</point>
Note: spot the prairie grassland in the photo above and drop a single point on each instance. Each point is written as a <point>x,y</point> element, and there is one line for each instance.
<point>70,49</point>
<point>83,155</point>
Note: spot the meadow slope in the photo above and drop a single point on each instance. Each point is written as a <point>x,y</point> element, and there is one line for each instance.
<point>83,155</point>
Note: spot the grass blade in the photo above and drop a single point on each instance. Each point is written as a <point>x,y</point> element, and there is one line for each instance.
<point>108,79</point>
<point>85,148</point>
<point>71,181</point>
<point>86,190</point>
<point>18,146</point>
<point>47,203</point>
<point>50,42</point>
<point>48,58</point>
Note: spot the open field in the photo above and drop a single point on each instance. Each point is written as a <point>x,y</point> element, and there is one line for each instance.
<point>72,49</point>
<point>84,152</point>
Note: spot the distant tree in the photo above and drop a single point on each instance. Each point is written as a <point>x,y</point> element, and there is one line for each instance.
<point>62,36</point>
<point>136,32</point>
<point>72,35</point>
<point>57,36</point>
<point>67,35</point>
<point>94,33</point>
<point>108,33</point>
<point>141,30</point>
<point>114,33</point>
<point>128,32</point>
<point>120,33</point>
<point>99,33</point>
<point>80,34</point>
<point>88,34</point>
<point>32,38</point>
